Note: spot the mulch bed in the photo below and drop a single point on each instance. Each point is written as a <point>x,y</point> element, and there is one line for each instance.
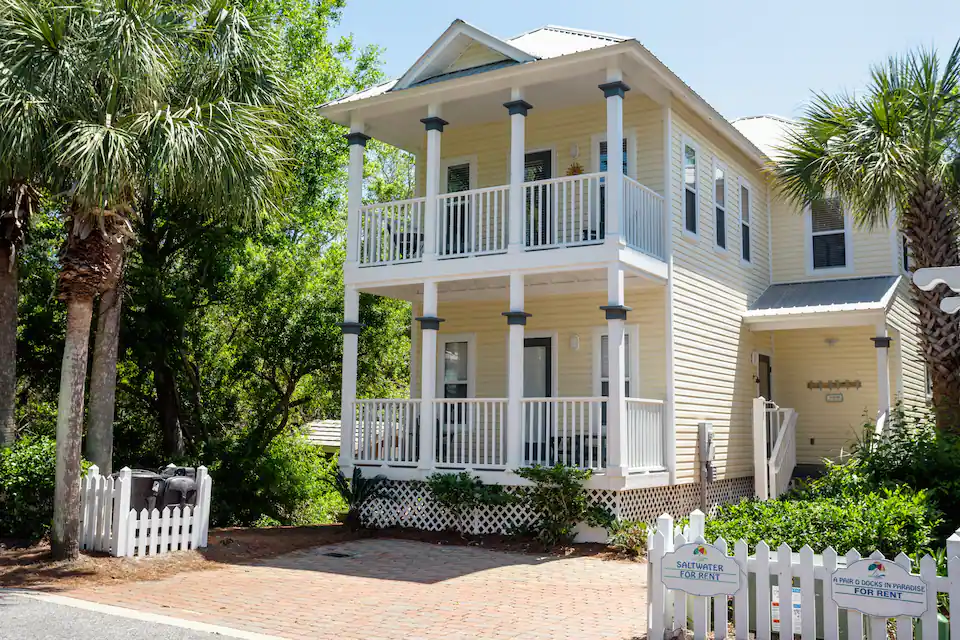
<point>32,568</point>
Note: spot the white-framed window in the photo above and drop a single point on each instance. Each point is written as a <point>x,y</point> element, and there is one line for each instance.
<point>720,203</point>
<point>829,238</point>
<point>631,360</point>
<point>746,201</point>
<point>456,366</point>
<point>905,255</point>
<point>628,148</point>
<point>691,197</point>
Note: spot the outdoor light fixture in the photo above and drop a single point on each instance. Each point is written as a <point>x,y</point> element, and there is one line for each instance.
<point>574,342</point>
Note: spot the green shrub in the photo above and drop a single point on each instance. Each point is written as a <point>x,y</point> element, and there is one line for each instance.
<point>630,537</point>
<point>290,484</point>
<point>461,494</point>
<point>559,502</point>
<point>357,492</point>
<point>889,521</point>
<point>27,478</point>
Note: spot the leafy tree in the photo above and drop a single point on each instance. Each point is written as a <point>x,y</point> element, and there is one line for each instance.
<point>894,145</point>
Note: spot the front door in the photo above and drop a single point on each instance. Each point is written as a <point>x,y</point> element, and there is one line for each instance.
<point>537,383</point>
<point>457,215</point>
<point>538,165</point>
<point>765,390</point>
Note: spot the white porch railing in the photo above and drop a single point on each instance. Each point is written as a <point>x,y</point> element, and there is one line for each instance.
<point>472,222</point>
<point>643,219</point>
<point>471,433</point>
<point>392,232</point>
<point>563,212</point>
<point>571,431</point>
<point>642,429</point>
<point>774,447</point>
<point>783,458</point>
<point>387,431</point>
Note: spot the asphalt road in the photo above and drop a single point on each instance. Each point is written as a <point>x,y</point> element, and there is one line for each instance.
<point>29,619</point>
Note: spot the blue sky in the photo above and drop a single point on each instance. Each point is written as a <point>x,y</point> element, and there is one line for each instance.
<point>744,57</point>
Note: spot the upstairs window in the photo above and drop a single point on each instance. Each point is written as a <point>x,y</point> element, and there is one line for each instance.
<point>690,203</point>
<point>603,156</point>
<point>829,234</point>
<point>720,204</point>
<point>745,203</point>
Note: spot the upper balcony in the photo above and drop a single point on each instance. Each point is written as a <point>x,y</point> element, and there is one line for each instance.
<point>555,213</point>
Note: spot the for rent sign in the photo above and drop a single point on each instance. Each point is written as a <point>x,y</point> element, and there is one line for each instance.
<point>701,570</point>
<point>879,588</point>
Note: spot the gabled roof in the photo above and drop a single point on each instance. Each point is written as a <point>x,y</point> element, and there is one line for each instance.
<point>461,46</point>
<point>464,49</point>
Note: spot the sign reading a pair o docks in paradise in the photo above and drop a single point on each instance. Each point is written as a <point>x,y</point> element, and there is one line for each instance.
<point>879,588</point>
<point>701,569</point>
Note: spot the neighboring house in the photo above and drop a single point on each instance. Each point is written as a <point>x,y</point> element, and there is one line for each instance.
<point>570,311</point>
<point>324,434</point>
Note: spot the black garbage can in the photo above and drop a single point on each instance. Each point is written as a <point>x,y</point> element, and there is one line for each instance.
<point>146,489</point>
<point>180,486</point>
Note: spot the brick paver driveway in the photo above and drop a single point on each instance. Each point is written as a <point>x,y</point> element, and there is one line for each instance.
<point>395,589</point>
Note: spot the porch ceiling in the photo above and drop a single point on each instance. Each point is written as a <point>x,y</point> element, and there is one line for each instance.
<point>535,285</point>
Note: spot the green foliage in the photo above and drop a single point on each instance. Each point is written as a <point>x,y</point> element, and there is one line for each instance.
<point>560,502</point>
<point>27,477</point>
<point>889,521</point>
<point>629,537</point>
<point>462,493</point>
<point>358,492</point>
<point>290,484</point>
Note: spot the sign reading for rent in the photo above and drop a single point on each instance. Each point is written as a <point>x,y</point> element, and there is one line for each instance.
<point>879,588</point>
<point>700,569</point>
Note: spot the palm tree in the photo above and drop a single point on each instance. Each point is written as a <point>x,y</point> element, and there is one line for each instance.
<point>148,121</point>
<point>894,148</point>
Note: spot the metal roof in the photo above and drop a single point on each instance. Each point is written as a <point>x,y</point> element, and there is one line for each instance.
<point>847,294</point>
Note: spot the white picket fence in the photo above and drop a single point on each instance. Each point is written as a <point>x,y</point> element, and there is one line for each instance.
<point>107,523</point>
<point>669,611</point>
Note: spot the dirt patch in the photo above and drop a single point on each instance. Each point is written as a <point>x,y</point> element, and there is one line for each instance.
<point>32,568</point>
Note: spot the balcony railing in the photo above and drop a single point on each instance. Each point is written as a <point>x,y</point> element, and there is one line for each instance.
<point>570,431</point>
<point>387,431</point>
<point>642,427</point>
<point>558,212</point>
<point>471,433</point>
<point>473,222</point>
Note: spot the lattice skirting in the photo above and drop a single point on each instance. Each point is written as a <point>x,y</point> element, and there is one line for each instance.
<point>410,505</point>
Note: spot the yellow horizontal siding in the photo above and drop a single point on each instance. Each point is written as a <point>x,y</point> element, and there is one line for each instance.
<point>824,429</point>
<point>908,368</point>
<point>567,315</point>
<point>872,249</point>
<point>713,368</point>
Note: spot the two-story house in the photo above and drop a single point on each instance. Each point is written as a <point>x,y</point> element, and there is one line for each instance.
<point>618,311</point>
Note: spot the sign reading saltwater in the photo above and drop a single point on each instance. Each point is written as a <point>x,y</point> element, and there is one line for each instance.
<point>879,588</point>
<point>700,569</point>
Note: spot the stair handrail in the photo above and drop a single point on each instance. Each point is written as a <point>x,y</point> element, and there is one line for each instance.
<point>782,450</point>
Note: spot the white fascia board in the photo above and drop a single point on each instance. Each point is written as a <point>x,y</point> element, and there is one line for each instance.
<point>816,319</point>
<point>457,28</point>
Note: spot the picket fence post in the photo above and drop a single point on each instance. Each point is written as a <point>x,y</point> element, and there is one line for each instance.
<point>121,512</point>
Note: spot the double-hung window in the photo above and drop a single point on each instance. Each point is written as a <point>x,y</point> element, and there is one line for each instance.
<point>690,200</point>
<point>456,370</point>
<point>602,365</point>
<point>720,203</point>
<point>603,156</point>
<point>745,202</point>
<point>828,234</point>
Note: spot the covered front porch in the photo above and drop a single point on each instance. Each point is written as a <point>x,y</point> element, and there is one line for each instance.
<point>561,378</point>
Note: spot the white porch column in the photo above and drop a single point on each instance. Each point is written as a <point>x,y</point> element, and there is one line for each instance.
<point>434,125</point>
<point>348,384</point>
<point>518,109</point>
<point>882,343</point>
<point>616,313</point>
<point>614,90</point>
<point>357,142</point>
<point>516,321</point>
<point>429,325</point>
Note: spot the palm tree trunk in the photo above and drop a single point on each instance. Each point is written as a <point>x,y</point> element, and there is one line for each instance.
<point>103,376</point>
<point>932,236</point>
<point>8,346</point>
<point>65,536</point>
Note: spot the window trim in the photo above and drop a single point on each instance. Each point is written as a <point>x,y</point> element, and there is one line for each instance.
<point>719,165</point>
<point>446,163</point>
<point>743,183</point>
<point>685,142</point>
<point>471,340</point>
<point>633,330</point>
<point>847,241</point>
<point>631,137</point>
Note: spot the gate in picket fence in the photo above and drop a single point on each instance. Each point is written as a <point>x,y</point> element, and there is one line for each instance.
<point>107,523</point>
<point>807,607</point>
